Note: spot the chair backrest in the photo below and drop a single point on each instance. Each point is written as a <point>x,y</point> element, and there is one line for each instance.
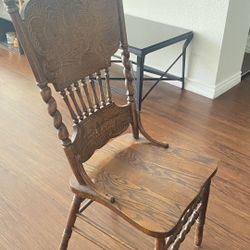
<point>69,44</point>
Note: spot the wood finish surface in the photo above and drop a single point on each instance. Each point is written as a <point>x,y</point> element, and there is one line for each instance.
<point>71,74</point>
<point>185,200</point>
<point>152,186</point>
<point>71,69</point>
<point>69,34</point>
<point>219,128</point>
<point>98,129</point>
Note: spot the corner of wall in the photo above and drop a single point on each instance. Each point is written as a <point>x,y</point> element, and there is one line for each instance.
<point>227,84</point>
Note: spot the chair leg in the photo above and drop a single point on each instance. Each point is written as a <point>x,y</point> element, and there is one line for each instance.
<point>70,222</point>
<point>160,244</point>
<point>202,216</point>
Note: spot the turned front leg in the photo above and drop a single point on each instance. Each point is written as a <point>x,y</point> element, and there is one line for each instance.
<point>70,222</point>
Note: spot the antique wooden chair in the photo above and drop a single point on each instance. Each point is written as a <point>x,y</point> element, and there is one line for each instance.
<point>160,191</point>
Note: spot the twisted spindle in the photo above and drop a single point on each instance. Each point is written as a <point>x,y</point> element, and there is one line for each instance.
<point>128,75</point>
<point>130,88</point>
<point>186,229</point>
<point>202,216</point>
<point>63,133</point>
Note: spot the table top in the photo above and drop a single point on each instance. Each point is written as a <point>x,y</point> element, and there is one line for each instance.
<point>143,34</point>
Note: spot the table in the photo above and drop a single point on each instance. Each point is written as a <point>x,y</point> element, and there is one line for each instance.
<point>145,37</point>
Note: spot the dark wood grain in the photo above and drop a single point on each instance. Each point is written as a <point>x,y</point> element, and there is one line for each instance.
<point>219,128</point>
<point>96,29</point>
<point>179,173</point>
<point>151,192</point>
<point>94,32</point>
<point>98,129</point>
<point>64,42</point>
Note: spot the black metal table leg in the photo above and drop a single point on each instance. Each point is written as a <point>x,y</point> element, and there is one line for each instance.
<point>184,51</point>
<point>183,67</point>
<point>139,80</point>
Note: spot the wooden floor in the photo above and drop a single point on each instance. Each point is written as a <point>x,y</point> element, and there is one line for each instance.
<point>34,195</point>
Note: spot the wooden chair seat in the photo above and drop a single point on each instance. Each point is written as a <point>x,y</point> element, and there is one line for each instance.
<point>153,187</point>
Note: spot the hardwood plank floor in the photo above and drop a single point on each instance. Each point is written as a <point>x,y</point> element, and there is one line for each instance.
<point>34,204</point>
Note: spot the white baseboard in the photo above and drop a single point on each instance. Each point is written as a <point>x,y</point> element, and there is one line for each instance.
<point>227,84</point>
<point>209,90</point>
<point>199,88</point>
<point>195,87</point>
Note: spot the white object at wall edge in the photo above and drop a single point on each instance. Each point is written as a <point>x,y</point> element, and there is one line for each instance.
<point>210,91</point>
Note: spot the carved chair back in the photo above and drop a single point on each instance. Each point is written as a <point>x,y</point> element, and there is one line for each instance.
<point>69,44</point>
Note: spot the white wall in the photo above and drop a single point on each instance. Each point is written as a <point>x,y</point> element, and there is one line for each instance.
<point>207,19</point>
<point>233,45</point>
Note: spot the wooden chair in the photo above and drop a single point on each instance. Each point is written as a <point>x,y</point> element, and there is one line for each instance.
<point>160,191</point>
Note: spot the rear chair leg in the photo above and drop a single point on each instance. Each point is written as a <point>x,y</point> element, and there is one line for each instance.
<point>202,216</point>
<point>70,222</point>
<point>160,244</point>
